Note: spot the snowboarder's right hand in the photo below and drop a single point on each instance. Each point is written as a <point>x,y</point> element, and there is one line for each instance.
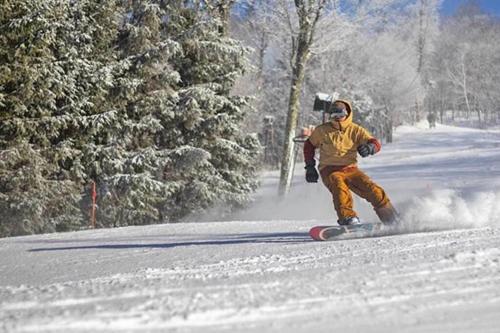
<point>366,149</point>
<point>311,172</point>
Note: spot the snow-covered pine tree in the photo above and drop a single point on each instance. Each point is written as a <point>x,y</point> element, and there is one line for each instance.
<point>55,74</point>
<point>129,169</point>
<point>210,116</point>
<point>180,150</point>
<point>132,95</point>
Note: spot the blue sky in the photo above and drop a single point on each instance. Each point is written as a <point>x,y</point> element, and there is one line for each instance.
<point>490,6</point>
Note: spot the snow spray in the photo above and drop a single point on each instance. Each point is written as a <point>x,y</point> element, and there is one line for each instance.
<point>449,209</point>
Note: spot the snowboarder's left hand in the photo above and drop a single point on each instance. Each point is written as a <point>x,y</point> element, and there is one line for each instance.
<point>366,149</point>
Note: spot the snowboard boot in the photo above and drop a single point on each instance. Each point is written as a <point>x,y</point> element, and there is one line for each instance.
<point>353,220</point>
<point>388,214</point>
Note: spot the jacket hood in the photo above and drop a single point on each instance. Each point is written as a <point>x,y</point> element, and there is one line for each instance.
<point>348,120</point>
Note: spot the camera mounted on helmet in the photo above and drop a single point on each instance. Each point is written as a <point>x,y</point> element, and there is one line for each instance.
<point>325,103</point>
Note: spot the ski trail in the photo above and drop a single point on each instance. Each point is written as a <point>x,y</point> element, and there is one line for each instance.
<point>261,272</point>
<point>386,278</point>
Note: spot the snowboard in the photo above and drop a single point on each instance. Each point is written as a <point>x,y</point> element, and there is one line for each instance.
<point>324,233</point>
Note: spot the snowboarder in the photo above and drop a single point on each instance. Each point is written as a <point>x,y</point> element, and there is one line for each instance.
<point>339,140</point>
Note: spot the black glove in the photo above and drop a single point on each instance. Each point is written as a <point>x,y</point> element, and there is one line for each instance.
<point>311,172</point>
<point>366,149</point>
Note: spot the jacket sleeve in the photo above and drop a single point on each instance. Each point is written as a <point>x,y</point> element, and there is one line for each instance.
<point>309,150</point>
<point>311,144</point>
<point>363,136</point>
<point>377,144</point>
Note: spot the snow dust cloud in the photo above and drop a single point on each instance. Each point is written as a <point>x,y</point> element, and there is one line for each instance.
<point>303,202</point>
<point>425,210</point>
<point>429,175</point>
<point>450,209</point>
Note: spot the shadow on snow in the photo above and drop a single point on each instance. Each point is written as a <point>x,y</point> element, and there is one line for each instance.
<point>290,237</point>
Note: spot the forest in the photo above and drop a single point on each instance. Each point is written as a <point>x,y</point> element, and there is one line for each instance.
<point>129,112</point>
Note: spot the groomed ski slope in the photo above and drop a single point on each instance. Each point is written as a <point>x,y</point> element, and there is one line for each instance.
<point>262,273</point>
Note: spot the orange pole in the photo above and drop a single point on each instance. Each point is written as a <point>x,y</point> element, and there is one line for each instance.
<point>92,212</point>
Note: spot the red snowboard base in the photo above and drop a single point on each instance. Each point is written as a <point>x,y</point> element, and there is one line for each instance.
<point>323,233</point>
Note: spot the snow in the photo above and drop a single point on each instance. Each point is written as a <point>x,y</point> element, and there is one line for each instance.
<point>261,272</point>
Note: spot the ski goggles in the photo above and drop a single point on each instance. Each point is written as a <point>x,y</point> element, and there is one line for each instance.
<point>337,112</point>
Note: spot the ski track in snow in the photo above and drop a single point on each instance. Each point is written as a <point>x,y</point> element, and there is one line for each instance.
<point>262,273</point>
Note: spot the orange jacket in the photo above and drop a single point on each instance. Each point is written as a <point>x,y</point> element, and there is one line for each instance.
<point>338,142</point>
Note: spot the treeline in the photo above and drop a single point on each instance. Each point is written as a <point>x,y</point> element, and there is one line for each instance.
<point>127,103</point>
<point>128,112</point>
<point>397,60</point>
<point>464,82</point>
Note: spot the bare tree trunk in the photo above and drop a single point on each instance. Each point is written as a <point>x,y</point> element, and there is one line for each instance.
<point>263,44</point>
<point>292,121</point>
<point>464,86</point>
<point>417,111</point>
<point>442,104</point>
<point>421,42</point>
<point>441,110</point>
<point>388,125</point>
<point>421,36</point>
<point>308,17</point>
<point>222,10</point>
<point>389,138</point>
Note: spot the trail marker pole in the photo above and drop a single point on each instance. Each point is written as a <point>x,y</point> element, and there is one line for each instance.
<point>93,208</point>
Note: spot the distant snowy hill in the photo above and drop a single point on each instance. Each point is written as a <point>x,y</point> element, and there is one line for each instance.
<point>262,273</point>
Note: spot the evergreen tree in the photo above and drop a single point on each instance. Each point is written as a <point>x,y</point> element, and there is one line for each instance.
<point>134,96</point>
<point>211,116</point>
<point>195,155</point>
<point>55,72</point>
<point>129,169</point>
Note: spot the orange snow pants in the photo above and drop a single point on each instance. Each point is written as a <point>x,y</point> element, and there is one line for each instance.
<point>341,182</point>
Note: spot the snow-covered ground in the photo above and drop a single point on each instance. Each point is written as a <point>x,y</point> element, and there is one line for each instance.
<point>262,273</point>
